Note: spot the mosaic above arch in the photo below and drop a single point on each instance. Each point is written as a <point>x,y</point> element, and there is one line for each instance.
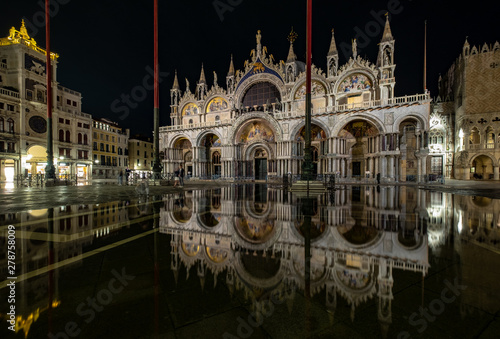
<point>256,130</point>
<point>190,109</point>
<point>211,140</point>
<point>217,104</point>
<point>317,133</point>
<point>317,88</point>
<point>354,83</point>
<point>358,129</point>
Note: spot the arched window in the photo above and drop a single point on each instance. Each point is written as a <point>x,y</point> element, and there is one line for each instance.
<point>474,137</point>
<point>68,136</point>
<point>190,121</point>
<point>79,138</point>
<point>315,154</point>
<point>85,139</point>
<point>216,158</point>
<point>61,135</point>
<point>1,124</point>
<point>10,125</point>
<point>261,93</point>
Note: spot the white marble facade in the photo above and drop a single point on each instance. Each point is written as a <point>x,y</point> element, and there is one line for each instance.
<point>253,128</point>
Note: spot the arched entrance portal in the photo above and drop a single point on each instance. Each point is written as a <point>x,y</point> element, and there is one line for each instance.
<point>482,168</point>
<point>260,164</point>
<point>180,154</point>
<point>319,147</point>
<point>256,144</point>
<point>360,144</point>
<point>210,156</point>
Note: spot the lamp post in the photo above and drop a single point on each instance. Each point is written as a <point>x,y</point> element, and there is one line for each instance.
<point>307,167</point>
<point>157,167</point>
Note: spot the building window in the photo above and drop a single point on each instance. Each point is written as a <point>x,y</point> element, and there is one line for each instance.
<point>107,147</point>
<point>138,162</point>
<point>101,147</point>
<point>113,148</point>
<point>68,102</point>
<point>80,139</point>
<point>1,124</point>
<point>138,153</point>
<point>10,108</point>
<point>85,139</point>
<point>95,146</point>
<point>61,120</point>
<point>261,93</point>
<point>61,135</point>
<point>68,136</point>
<point>79,124</point>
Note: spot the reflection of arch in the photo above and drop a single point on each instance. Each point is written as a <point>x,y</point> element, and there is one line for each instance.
<point>252,230</point>
<point>259,271</point>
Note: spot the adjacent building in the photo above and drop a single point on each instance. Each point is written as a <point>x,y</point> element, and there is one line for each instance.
<point>141,155</point>
<point>110,149</point>
<point>254,127</point>
<point>465,124</point>
<point>23,111</point>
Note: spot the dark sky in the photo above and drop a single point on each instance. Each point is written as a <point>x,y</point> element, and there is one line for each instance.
<point>106,46</point>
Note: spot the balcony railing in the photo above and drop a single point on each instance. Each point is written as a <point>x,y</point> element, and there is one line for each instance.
<point>9,93</point>
<point>407,99</point>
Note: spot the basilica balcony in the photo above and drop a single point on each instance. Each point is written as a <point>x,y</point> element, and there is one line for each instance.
<point>9,93</point>
<point>197,125</point>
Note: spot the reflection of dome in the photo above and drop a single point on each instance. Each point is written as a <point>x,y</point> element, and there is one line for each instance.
<point>217,255</point>
<point>317,228</point>
<point>182,213</point>
<point>190,249</point>
<point>254,230</point>
<point>358,235</point>
<point>481,201</point>
<point>210,219</point>
<point>407,238</point>
<point>260,267</point>
<point>353,279</point>
<point>38,213</point>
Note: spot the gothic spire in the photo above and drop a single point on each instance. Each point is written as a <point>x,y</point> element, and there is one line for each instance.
<point>387,36</point>
<point>291,54</point>
<point>333,46</point>
<point>176,82</point>
<point>202,76</point>
<point>231,67</point>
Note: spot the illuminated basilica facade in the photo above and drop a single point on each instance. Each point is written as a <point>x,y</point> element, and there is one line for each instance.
<point>254,128</point>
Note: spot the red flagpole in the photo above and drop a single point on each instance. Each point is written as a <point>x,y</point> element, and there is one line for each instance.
<point>307,169</point>
<point>156,70</point>
<point>157,167</point>
<point>49,169</point>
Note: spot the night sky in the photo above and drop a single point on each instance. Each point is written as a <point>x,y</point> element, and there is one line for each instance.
<point>106,46</point>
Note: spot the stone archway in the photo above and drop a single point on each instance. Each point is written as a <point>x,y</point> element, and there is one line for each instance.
<point>360,142</point>
<point>482,168</point>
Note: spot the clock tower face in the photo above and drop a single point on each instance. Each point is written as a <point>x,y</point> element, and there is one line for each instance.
<point>38,124</point>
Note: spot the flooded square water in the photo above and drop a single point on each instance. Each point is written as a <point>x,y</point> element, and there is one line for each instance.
<point>249,261</point>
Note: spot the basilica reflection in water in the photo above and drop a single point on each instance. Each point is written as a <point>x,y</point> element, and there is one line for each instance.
<point>358,236</point>
<point>346,249</point>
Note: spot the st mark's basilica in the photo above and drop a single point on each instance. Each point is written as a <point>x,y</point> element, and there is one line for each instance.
<point>254,128</point>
